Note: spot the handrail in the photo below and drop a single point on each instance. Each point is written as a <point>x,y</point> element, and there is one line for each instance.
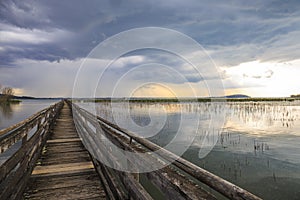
<point>118,184</point>
<point>218,184</point>
<point>15,171</point>
<point>13,133</point>
<point>17,125</point>
<point>215,182</point>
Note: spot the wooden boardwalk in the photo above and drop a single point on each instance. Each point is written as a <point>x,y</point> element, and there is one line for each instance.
<point>64,169</point>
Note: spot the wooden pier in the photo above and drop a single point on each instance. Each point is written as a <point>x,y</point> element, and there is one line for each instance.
<point>51,159</point>
<point>64,169</point>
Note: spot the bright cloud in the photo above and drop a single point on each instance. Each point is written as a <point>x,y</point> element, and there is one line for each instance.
<point>263,78</point>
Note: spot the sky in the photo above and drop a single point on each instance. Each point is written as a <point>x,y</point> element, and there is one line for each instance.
<point>252,47</point>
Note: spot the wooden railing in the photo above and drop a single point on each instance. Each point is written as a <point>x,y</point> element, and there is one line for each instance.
<point>169,180</point>
<point>24,141</point>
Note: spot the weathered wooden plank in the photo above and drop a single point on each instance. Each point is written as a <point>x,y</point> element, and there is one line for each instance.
<point>65,170</point>
<point>62,176</point>
<point>64,146</point>
<point>81,191</point>
<point>49,184</point>
<point>65,150</point>
<point>60,141</point>
<point>65,155</point>
<point>64,173</point>
<point>48,169</point>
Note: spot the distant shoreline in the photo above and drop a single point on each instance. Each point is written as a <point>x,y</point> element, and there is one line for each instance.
<point>229,98</point>
<point>36,98</point>
<point>212,99</point>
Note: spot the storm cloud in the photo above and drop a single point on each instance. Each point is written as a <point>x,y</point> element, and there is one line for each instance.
<point>54,30</point>
<point>232,32</point>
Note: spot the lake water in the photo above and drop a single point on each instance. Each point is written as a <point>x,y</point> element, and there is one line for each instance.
<point>252,144</point>
<point>14,113</point>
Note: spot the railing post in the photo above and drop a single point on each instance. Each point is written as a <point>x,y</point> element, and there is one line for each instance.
<point>25,136</point>
<point>39,123</point>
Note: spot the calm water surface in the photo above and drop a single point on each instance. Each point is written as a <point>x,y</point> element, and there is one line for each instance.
<point>254,145</point>
<point>14,113</point>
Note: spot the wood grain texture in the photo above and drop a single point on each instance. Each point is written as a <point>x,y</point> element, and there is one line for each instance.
<point>64,169</point>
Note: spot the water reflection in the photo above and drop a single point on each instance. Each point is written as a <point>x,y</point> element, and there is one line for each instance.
<point>5,111</point>
<point>256,117</point>
<point>242,126</point>
<point>13,113</point>
<point>256,148</point>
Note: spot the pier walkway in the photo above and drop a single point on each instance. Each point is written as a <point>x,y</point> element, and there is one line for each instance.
<point>64,169</point>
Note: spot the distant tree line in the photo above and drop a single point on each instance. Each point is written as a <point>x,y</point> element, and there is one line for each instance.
<point>295,96</point>
<point>6,94</point>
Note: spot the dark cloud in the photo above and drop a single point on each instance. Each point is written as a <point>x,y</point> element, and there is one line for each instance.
<point>224,26</point>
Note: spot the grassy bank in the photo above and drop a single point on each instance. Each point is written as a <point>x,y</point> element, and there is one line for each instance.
<point>11,101</point>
